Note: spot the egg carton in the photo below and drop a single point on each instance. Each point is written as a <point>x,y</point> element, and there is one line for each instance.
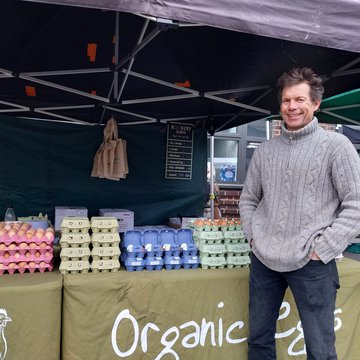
<point>27,267</point>
<point>172,262</point>
<point>75,240</point>
<point>134,263</point>
<point>74,267</point>
<point>190,262</point>
<point>16,240</point>
<point>238,261</point>
<point>104,224</point>
<point>105,265</point>
<point>212,262</point>
<point>212,250</point>
<point>75,254</point>
<point>105,253</point>
<point>28,257</point>
<point>154,263</point>
<point>74,224</point>
<point>23,248</point>
<point>105,239</point>
<point>237,249</point>
<point>209,237</point>
<point>234,236</point>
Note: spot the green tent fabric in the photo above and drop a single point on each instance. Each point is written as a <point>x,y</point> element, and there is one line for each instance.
<point>341,109</point>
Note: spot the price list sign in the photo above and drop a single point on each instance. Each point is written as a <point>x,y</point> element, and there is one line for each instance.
<point>179,151</point>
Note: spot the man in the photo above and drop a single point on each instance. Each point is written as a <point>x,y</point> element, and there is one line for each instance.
<point>300,208</point>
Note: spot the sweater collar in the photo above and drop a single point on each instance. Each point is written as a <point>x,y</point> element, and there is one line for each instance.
<point>301,134</point>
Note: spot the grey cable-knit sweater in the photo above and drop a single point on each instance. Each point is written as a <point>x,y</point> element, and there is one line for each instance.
<point>301,193</point>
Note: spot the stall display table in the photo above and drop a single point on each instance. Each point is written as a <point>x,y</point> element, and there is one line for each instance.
<point>31,304</point>
<point>185,315</point>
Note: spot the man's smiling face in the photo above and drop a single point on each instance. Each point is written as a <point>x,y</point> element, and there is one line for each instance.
<point>297,108</point>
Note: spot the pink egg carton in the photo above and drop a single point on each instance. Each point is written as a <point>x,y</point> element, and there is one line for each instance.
<point>37,257</point>
<point>31,267</point>
<point>7,240</point>
<point>23,248</point>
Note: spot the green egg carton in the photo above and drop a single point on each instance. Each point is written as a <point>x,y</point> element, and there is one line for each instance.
<point>74,267</point>
<point>105,253</point>
<point>234,236</point>
<point>105,239</point>
<point>238,261</point>
<point>75,240</point>
<point>104,224</point>
<point>75,254</point>
<point>75,224</point>
<point>212,262</point>
<point>210,237</point>
<point>105,265</point>
<point>237,248</point>
<point>212,249</point>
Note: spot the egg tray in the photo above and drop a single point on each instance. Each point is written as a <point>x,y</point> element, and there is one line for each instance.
<point>238,261</point>
<point>237,249</point>
<point>105,253</point>
<point>74,267</point>
<point>212,250</point>
<point>154,263</point>
<point>172,262</point>
<point>22,248</point>
<point>209,237</point>
<point>104,224</point>
<point>29,267</point>
<point>234,236</point>
<point>212,262</point>
<point>37,257</point>
<point>75,224</point>
<point>134,263</point>
<point>6,240</point>
<point>106,239</point>
<point>75,254</point>
<point>190,262</point>
<point>75,240</point>
<point>105,266</point>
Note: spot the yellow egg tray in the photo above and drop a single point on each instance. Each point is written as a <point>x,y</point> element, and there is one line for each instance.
<point>105,253</point>
<point>237,249</point>
<point>104,224</point>
<point>75,224</point>
<point>105,239</point>
<point>74,267</point>
<point>210,262</point>
<point>75,240</point>
<point>105,266</point>
<point>212,249</point>
<point>238,261</point>
<point>75,254</point>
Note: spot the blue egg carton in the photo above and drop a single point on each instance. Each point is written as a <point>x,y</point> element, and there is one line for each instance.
<point>154,263</point>
<point>167,239</point>
<point>132,244</point>
<point>151,244</point>
<point>172,262</point>
<point>134,263</point>
<point>190,261</point>
<point>186,242</point>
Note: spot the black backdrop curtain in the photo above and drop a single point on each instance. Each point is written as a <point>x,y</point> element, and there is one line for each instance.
<point>48,164</point>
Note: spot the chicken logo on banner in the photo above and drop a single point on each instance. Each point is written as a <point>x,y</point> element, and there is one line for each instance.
<point>4,319</point>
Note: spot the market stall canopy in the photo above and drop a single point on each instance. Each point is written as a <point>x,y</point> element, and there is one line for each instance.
<point>151,62</point>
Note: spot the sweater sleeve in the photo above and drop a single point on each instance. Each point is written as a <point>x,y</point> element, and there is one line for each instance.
<point>251,194</point>
<point>345,171</point>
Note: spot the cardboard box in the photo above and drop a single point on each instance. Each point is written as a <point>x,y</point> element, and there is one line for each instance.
<point>62,211</point>
<point>124,217</point>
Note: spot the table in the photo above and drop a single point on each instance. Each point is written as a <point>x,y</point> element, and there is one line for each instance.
<point>185,314</point>
<point>33,303</point>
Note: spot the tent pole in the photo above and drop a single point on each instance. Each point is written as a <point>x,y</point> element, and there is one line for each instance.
<point>116,55</point>
<point>212,195</point>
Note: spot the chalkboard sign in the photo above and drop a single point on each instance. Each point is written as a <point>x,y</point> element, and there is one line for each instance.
<point>179,151</point>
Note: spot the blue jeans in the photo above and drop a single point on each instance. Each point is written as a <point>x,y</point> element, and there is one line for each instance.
<point>314,289</point>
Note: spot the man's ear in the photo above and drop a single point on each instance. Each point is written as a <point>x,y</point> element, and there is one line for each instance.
<point>316,104</point>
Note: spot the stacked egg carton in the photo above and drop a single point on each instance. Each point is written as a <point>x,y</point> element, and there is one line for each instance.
<point>75,245</point>
<point>105,241</point>
<point>133,252</point>
<point>23,248</point>
<point>238,250</point>
<point>221,243</point>
<point>209,240</point>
